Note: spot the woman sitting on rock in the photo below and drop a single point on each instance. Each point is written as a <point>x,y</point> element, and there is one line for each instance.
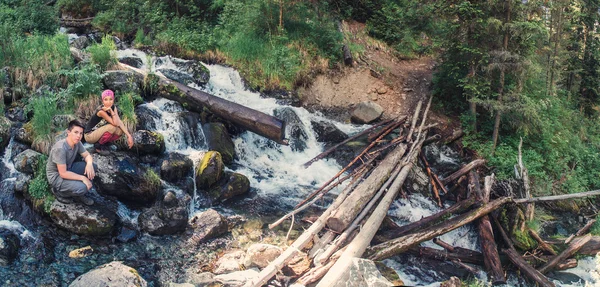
<point>102,135</point>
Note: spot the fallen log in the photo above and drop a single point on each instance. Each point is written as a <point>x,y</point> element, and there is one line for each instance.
<point>195,100</point>
<point>558,197</point>
<point>462,255</point>
<point>581,231</point>
<point>365,191</point>
<point>577,244</point>
<point>463,170</point>
<point>434,189</point>
<point>471,270</point>
<point>567,264</point>
<point>414,121</point>
<point>541,243</point>
<point>443,244</point>
<point>592,247</point>
<point>529,271</point>
<point>401,244</point>
<point>486,236</point>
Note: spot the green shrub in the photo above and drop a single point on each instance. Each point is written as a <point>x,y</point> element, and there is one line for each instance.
<point>39,189</point>
<point>25,16</point>
<point>595,230</point>
<point>141,39</point>
<point>126,103</point>
<point>102,54</point>
<point>84,81</point>
<point>44,109</point>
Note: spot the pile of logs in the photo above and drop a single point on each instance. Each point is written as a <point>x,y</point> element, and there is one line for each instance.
<point>346,229</point>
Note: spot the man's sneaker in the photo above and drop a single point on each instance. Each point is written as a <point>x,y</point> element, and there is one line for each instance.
<point>86,200</point>
<point>65,200</point>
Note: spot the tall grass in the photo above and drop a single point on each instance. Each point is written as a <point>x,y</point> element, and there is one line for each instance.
<point>103,54</point>
<point>126,103</point>
<point>44,109</point>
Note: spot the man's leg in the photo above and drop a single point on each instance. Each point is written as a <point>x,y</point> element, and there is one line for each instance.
<point>76,189</point>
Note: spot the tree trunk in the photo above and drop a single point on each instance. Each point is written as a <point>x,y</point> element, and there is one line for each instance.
<point>401,244</point>
<point>463,170</point>
<point>529,271</point>
<point>572,249</point>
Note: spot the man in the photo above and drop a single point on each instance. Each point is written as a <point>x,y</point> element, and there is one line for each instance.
<point>70,180</point>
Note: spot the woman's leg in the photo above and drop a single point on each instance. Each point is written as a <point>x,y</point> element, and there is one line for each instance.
<point>95,135</point>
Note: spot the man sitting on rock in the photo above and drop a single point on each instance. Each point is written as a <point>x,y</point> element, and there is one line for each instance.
<point>70,180</point>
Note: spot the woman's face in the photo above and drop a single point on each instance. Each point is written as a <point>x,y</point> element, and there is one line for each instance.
<point>108,101</point>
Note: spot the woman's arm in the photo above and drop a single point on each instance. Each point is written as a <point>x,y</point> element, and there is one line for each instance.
<point>120,124</point>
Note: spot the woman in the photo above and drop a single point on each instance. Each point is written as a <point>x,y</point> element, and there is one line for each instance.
<point>112,130</point>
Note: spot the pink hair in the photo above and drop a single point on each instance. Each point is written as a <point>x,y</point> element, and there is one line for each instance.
<point>108,93</point>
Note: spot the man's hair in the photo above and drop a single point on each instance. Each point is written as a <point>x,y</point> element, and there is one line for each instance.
<point>75,123</point>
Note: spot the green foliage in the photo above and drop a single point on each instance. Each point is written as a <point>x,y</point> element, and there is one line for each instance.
<point>84,81</point>
<point>44,109</point>
<point>102,54</point>
<point>126,108</point>
<point>26,16</point>
<point>141,39</point>
<point>187,34</point>
<point>38,188</point>
<point>473,282</point>
<point>151,180</point>
<point>524,241</point>
<point>595,230</point>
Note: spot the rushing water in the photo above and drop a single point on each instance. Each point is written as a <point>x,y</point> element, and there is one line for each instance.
<point>277,178</point>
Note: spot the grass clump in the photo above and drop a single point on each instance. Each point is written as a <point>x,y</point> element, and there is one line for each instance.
<point>103,53</point>
<point>127,103</point>
<point>39,189</point>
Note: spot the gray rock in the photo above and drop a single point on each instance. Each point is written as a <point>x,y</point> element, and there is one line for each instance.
<point>198,279</point>
<point>362,272</point>
<point>328,132</point>
<point>233,184</point>
<point>180,285</point>
<point>366,112</point>
<point>194,69</point>
<point>147,142</point>
<point>295,131</point>
<point>98,219</point>
<point>16,113</point>
<point>210,170</point>
<point>206,225</point>
<point>133,61</point>
<point>111,274</point>
<point>9,247</point>
<point>177,76</point>
<point>217,138</point>
<point>27,161</point>
<point>165,218</point>
<point>237,279</point>
<point>123,81</point>
<point>4,132</point>
<point>176,167</point>
<point>147,118</point>
<point>230,262</point>
<point>80,43</point>
<point>260,255</point>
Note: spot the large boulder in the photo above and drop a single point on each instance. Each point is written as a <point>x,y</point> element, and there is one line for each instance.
<point>168,217</point>
<point>9,247</point>
<point>27,161</point>
<point>210,170</point>
<point>232,184</point>
<point>237,279</point>
<point>207,225</point>
<point>111,274</point>
<point>177,76</point>
<point>123,81</point>
<point>134,60</point>
<point>217,138</point>
<point>146,118</point>
<point>147,142</point>
<point>260,255</point>
<point>24,134</point>
<point>196,70</point>
<point>96,220</point>
<point>294,128</point>
<point>176,167</point>
<point>230,262</point>
<point>328,132</point>
<point>4,132</point>
<point>120,175</point>
<point>362,272</point>
<point>366,112</point>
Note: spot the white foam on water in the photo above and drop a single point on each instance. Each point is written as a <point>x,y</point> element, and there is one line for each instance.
<point>16,228</point>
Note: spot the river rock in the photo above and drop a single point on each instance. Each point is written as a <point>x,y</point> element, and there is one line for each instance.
<point>27,161</point>
<point>176,167</point>
<point>176,76</point>
<point>24,134</point>
<point>96,220</point>
<point>191,133</point>
<point>9,247</point>
<point>237,279</point>
<point>206,225</point>
<point>147,142</point>
<point>123,81</point>
<point>366,112</point>
<point>199,279</point>
<point>442,159</point>
<point>120,175</point>
<point>168,217</point>
<point>80,43</point>
<point>146,118</point>
<point>196,70</point>
<point>133,60</point>
<point>111,274</point>
<point>210,170</point>
<point>217,138</point>
<point>260,255</point>
<point>328,132</point>
<point>4,132</point>
<point>230,262</point>
<point>362,272</point>
<point>233,184</point>
<point>452,282</point>
<point>16,112</point>
<point>294,128</point>
<point>297,266</point>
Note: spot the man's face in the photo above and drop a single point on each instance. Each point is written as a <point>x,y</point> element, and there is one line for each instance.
<point>75,134</point>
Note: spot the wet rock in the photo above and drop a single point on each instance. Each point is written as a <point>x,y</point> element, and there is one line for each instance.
<point>166,217</point>
<point>362,272</point>
<point>210,170</point>
<point>80,43</point>
<point>199,72</point>
<point>565,278</point>
<point>328,132</point>
<point>147,118</point>
<point>126,234</point>
<point>16,113</point>
<point>366,112</point>
<point>9,247</point>
<point>27,161</point>
<point>176,76</point>
<point>81,252</point>
<point>218,139</point>
<point>297,265</point>
<point>123,81</point>
<point>230,262</point>
<point>442,159</point>
<point>96,220</point>
<point>294,128</point>
<point>120,175</point>
<point>192,134</point>
<point>199,279</point>
<point>176,167</point>
<point>24,134</point>
<point>111,274</point>
<point>134,61</point>
<point>260,255</point>
<point>147,142</point>
<point>283,97</point>
<point>236,279</point>
<point>4,132</point>
<point>206,225</point>
<point>233,184</point>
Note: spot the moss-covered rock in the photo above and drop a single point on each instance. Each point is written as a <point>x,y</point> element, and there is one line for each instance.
<point>96,220</point>
<point>123,81</point>
<point>147,142</point>
<point>210,170</point>
<point>217,138</point>
<point>176,167</point>
<point>233,184</point>
<point>27,161</point>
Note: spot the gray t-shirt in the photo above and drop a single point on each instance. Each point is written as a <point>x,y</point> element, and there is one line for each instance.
<point>61,153</point>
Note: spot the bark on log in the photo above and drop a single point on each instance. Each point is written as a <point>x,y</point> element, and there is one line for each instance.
<point>577,244</point>
<point>195,100</point>
<point>486,236</point>
<point>443,244</point>
<point>463,255</point>
<point>401,244</point>
<point>567,264</point>
<point>592,247</point>
<point>530,209</point>
<point>558,197</point>
<point>463,170</point>
<point>529,271</point>
<point>365,191</point>
<point>472,270</point>
<point>581,231</point>
<point>541,243</point>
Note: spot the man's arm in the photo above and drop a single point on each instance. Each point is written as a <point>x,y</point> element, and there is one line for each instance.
<point>65,174</point>
<point>89,165</point>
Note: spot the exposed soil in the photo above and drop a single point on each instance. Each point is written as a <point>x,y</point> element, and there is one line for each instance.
<point>377,75</point>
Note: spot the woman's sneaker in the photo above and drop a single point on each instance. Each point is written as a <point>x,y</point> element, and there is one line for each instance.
<point>102,149</point>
